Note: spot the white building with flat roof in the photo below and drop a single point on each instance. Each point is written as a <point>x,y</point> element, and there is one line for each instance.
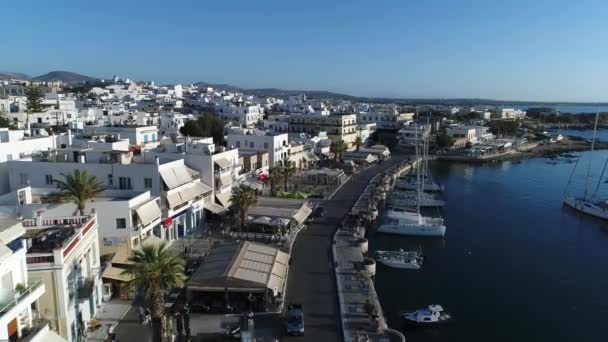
<point>20,315</point>
<point>277,145</point>
<point>137,135</point>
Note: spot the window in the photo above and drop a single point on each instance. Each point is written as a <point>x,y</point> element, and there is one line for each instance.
<point>148,183</point>
<point>48,179</point>
<point>110,179</point>
<point>266,145</point>
<point>9,157</point>
<point>23,179</point>
<point>238,144</point>
<point>121,223</point>
<point>124,183</point>
<point>251,145</point>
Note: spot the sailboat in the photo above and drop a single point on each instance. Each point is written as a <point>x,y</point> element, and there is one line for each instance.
<point>413,223</point>
<point>589,204</point>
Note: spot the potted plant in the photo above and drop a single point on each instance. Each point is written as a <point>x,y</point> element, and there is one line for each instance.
<point>20,288</point>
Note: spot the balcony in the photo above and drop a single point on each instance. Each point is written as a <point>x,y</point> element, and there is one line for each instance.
<point>36,332</point>
<point>86,287</point>
<point>11,299</point>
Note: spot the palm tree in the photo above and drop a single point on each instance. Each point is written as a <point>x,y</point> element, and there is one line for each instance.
<point>358,143</point>
<point>289,169</point>
<point>77,187</point>
<point>243,198</point>
<point>338,149</point>
<point>155,270</point>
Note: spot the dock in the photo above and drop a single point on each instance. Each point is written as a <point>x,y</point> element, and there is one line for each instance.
<point>362,318</point>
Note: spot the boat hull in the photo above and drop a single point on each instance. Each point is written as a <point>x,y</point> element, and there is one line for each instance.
<point>403,266</point>
<point>413,229</point>
<point>586,207</point>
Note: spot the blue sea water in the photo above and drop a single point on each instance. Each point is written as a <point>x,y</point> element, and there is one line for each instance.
<point>572,109</point>
<point>515,265</point>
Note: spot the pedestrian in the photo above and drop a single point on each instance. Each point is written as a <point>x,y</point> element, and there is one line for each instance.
<point>111,333</point>
<point>148,316</point>
<point>187,320</point>
<point>141,313</point>
<point>179,323</point>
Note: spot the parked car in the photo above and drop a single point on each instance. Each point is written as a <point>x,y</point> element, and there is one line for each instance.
<point>294,320</point>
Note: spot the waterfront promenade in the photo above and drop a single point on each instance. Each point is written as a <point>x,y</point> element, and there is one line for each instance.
<point>311,278</point>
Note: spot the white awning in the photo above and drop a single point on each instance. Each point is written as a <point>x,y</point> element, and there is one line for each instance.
<point>224,199</point>
<point>215,208</point>
<point>115,273</point>
<point>186,193</point>
<point>226,180</point>
<point>302,214</point>
<point>148,212</point>
<point>176,176</point>
<point>174,199</point>
<point>223,163</point>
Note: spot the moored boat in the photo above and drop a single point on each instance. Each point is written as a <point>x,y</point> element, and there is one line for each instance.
<point>433,315</point>
<point>410,260</point>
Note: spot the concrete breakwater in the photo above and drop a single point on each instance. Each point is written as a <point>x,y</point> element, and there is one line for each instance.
<point>361,315</point>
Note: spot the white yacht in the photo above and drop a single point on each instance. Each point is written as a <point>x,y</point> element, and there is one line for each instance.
<point>411,184</point>
<point>431,316</point>
<point>407,202</point>
<point>411,223</point>
<point>410,260</point>
<point>589,203</point>
<point>597,209</point>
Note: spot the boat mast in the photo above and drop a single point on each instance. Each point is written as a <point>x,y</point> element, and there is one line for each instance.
<point>419,186</point>
<point>599,180</point>
<point>597,115</point>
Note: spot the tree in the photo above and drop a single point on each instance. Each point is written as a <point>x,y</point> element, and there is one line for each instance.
<point>5,122</point>
<point>503,127</point>
<point>338,149</point>
<point>155,270</point>
<point>77,187</point>
<point>207,125</point>
<point>243,197</point>
<point>34,104</point>
<point>288,169</point>
<point>358,143</point>
<point>275,174</point>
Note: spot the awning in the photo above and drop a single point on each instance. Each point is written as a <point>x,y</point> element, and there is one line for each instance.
<point>148,212</point>
<point>5,252</point>
<point>195,189</point>
<point>302,214</point>
<point>174,199</point>
<point>224,199</point>
<point>176,176</point>
<point>51,336</point>
<point>122,254</point>
<point>226,180</point>
<point>280,222</point>
<point>215,208</point>
<point>223,163</point>
<point>115,273</point>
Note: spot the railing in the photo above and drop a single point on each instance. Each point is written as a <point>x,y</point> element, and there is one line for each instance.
<point>6,307</point>
<point>32,332</point>
<point>57,221</point>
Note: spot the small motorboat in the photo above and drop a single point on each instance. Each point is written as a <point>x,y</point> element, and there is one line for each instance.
<point>410,260</point>
<point>432,316</point>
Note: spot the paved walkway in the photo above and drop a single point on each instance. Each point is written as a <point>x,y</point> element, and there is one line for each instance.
<point>311,280</point>
<point>110,313</point>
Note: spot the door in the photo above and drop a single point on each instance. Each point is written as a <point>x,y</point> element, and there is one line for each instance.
<point>13,333</point>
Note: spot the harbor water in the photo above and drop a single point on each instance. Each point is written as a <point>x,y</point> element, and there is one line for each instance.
<point>515,265</point>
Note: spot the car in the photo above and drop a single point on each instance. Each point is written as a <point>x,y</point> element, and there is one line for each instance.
<point>318,212</point>
<point>294,320</point>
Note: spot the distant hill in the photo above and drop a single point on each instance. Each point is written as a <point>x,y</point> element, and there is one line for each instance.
<point>275,92</point>
<point>5,75</point>
<point>65,76</point>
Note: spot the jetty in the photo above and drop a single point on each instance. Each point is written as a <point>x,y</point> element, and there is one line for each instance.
<point>362,318</point>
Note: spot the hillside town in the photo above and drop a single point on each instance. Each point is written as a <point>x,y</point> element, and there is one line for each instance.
<point>95,177</point>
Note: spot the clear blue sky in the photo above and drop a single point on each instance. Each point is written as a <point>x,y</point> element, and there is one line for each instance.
<point>511,49</point>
